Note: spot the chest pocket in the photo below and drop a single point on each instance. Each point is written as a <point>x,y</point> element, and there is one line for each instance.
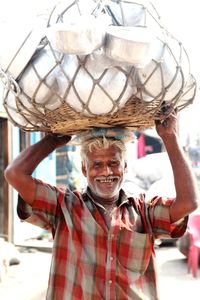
<point>134,252</point>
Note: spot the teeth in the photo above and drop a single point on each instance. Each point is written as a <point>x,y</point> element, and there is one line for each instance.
<point>102,181</point>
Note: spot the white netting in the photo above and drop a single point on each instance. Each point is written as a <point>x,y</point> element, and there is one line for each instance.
<point>105,64</point>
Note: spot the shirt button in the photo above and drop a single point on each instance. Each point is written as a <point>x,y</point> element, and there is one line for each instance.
<point>110,281</point>
<point>111,258</point>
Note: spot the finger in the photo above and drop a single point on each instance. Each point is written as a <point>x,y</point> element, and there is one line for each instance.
<point>157,122</point>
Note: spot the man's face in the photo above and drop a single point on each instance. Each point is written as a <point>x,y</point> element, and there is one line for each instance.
<point>104,170</point>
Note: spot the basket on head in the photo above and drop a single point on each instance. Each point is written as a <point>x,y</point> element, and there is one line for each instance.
<point>66,90</point>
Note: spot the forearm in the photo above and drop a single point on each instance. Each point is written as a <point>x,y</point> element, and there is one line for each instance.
<point>18,173</point>
<point>187,194</point>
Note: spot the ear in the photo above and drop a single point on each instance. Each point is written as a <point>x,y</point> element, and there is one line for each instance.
<point>83,168</point>
<point>125,167</point>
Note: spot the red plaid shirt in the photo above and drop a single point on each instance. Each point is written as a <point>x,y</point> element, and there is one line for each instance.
<point>94,261</point>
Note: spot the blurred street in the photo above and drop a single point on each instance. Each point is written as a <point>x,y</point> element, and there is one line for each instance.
<point>28,280</point>
<point>175,281</point>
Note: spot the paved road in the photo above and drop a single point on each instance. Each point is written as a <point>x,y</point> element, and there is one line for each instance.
<point>28,280</point>
<point>175,281</point>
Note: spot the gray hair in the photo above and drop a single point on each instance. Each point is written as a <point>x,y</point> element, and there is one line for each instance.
<point>101,143</point>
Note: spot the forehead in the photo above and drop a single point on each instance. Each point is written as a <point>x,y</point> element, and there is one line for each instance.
<point>103,154</point>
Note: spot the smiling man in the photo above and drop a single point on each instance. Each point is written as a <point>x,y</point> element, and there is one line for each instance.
<point>104,238</point>
<point>104,169</point>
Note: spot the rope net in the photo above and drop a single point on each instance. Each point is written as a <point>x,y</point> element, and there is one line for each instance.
<point>67,93</point>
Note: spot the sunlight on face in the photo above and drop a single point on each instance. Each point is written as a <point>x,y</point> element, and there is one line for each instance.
<point>104,170</point>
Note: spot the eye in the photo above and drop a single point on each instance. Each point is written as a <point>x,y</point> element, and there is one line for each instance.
<point>96,164</point>
<point>114,163</point>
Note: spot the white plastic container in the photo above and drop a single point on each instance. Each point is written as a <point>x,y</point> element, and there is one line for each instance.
<point>82,36</point>
<point>166,74</point>
<point>130,45</point>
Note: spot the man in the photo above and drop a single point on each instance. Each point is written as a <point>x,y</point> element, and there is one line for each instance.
<point>103,239</point>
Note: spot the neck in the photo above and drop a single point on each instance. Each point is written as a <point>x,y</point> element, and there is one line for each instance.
<point>105,202</point>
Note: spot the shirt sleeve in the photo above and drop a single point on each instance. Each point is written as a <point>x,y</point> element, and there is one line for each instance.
<point>159,217</point>
<point>45,208</point>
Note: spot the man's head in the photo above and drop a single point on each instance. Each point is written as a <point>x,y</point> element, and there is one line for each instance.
<point>104,164</point>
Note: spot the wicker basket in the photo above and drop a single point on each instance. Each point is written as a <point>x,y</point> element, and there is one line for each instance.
<point>66,93</point>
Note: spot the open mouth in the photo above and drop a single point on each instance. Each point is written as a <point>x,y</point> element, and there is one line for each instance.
<point>107,187</point>
<point>107,180</point>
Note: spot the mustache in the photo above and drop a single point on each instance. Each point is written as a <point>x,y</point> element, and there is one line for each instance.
<point>106,177</point>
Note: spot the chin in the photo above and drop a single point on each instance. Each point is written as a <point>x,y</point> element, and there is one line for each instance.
<point>106,195</point>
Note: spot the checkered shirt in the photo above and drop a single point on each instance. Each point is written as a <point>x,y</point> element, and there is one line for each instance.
<point>94,261</point>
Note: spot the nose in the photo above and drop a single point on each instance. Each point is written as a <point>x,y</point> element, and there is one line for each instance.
<point>107,170</point>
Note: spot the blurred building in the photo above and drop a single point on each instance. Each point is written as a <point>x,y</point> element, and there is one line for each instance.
<point>67,167</point>
<point>148,142</point>
<point>13,141</point>
<point>5,204</point>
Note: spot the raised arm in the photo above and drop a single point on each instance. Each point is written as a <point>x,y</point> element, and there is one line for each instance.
<point>18,173</point>
<point>187,195</point>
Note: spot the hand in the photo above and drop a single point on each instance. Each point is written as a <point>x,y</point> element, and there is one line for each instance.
<point>58,140</point>
<point>167,127</point>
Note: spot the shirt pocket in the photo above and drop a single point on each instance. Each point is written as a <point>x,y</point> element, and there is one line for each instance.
<point>134,252</point>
